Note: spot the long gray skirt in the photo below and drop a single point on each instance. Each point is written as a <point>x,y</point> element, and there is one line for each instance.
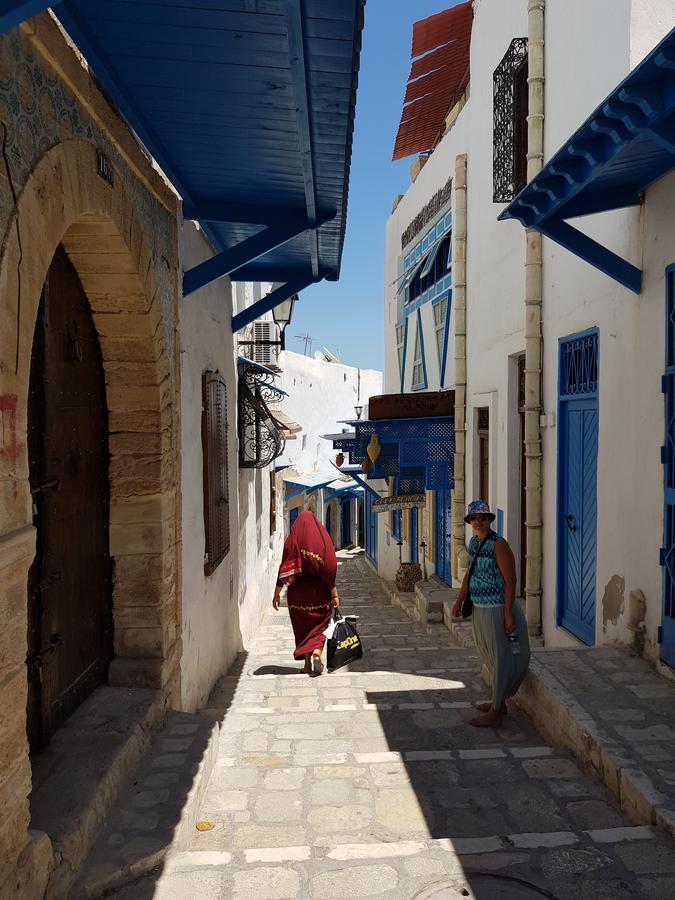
<point>506,668</point>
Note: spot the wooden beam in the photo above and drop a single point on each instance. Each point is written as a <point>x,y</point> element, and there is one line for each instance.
<point>251,313</point>
<point>215,210</point>
<point>244,252</point>
<point>298,66</point>
<point>594,253</point>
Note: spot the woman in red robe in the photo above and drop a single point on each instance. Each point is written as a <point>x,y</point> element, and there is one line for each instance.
<point>308,567</point>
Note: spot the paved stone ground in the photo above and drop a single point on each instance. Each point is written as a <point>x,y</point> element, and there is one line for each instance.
<point>611,707</point>
<point>371,783</point>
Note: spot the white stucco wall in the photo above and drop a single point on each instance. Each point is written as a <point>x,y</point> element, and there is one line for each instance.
<point>320,395</point>
<point>651,20</point>
<point>576,297</point>
<point>220,611</point>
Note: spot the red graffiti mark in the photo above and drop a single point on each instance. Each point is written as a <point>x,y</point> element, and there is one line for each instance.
<point>9,446</point>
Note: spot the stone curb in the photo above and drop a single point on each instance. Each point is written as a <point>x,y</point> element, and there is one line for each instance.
<point>98,879</point>
<point>562,720</point>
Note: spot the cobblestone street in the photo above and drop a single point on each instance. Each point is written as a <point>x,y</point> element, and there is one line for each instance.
<point>371,783</point>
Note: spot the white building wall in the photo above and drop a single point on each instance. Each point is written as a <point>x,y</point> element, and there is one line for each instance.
<point>576,297</point>
<point>220,611</point>
<point>322,395</point>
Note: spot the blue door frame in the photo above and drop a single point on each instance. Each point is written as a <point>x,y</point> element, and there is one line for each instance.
<point>442,535</point>
<point>346,522</point>
<point>578,416</point>
<point>667,556</point>
<point>328,518</point>
<point>371,528</point>
<point>293,515</point>
<point>414,549</point>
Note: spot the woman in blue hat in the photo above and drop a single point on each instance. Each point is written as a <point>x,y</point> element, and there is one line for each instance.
<point>499,626</point>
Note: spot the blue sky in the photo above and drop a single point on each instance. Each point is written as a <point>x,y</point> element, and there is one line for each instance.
<point>347,316</point>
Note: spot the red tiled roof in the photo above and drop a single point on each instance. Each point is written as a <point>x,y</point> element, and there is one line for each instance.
<point>438,74</point>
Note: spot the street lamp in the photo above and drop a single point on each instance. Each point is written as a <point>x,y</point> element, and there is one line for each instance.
<point>282,316</point>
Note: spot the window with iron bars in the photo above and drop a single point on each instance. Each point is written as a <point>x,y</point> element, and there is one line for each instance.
<point>510,113</point>
<point>215,470</point>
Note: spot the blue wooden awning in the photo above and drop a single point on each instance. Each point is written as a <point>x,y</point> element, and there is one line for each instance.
<point>248,107</point>
<point>624,146</point>
<point>419,452</point>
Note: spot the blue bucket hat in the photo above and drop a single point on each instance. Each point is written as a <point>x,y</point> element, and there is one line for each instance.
<point>478,508</point>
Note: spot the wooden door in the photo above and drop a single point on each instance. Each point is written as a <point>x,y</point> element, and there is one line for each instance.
<point>443,535</point>
<point>346,523</point>
<point>484,454</point>
<point>69,592</point>
<point>523,464</point>
<point>577,484</point>
<point>667,628</point>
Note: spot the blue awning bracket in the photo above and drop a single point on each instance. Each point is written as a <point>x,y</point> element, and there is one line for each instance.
<point>245,252</point>
<point>594,253</point>
<point>625,145</point>
<point>274,298</point>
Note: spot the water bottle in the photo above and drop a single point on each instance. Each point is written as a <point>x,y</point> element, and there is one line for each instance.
<point>514,642</point>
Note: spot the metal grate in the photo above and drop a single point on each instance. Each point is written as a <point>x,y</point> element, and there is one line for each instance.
<point>510,112</point>
<point>579,366</point>
<point>421,450</point>
<point>261,438</point>
<point>216,488</point>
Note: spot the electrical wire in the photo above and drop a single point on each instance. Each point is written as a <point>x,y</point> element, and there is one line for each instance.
<point>18,240</point>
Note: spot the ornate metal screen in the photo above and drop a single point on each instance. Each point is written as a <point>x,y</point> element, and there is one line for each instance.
<point>420,452</point>
<point>510,122</point>
<point>579,366</point>
<point>261,437</point>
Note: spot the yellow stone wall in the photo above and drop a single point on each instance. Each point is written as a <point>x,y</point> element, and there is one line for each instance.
<point>122,241</point>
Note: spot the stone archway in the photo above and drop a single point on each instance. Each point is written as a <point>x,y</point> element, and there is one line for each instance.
<point>96,223</point>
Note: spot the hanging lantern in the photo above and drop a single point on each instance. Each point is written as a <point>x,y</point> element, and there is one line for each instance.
<point>373,450</point>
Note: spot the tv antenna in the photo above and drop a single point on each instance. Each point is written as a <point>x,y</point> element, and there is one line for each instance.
<point>308,339</point>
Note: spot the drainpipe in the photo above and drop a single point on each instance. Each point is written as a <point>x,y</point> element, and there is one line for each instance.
<point>459,302</point>
<point>533,317</point>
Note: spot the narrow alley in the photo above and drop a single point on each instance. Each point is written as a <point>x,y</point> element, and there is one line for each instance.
<point>371,783</point>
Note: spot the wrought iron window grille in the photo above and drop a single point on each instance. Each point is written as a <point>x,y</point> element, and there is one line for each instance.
<point>510,112</point>
<point>215,469</point>
<point>261,438</point>
<point>579,366</point>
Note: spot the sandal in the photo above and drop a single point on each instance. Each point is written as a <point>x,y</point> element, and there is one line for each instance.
<point>486,707</point>
<point>317,666</point>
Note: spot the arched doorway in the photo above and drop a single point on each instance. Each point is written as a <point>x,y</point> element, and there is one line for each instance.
<point>70,586</point>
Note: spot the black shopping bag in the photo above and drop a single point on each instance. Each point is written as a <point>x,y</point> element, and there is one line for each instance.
<point>344,645</point>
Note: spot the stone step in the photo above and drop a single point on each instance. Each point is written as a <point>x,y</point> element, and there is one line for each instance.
<point>90,760</point>
<point>158,813</point>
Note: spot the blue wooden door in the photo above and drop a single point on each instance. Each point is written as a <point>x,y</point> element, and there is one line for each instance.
<point>414,550</point>
<point>293,515</point>
<point>667,630</point>
<point>346,523</point>
<point>371,528</point>
<point>442,536</point>
<point>328,518</point>
<point>577,486</point>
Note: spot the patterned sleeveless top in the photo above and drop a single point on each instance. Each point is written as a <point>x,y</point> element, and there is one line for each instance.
<point>487,583</point>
